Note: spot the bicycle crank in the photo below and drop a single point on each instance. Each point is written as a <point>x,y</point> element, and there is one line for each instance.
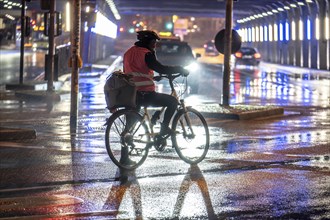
<point>160,143</point>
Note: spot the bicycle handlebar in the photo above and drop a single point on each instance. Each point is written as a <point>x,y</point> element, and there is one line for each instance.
<point>170,78</point>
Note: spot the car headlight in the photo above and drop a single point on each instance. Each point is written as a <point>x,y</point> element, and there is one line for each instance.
<point>192,67</point>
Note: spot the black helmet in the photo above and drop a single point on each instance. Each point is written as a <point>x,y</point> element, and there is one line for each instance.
<point>147,35</point>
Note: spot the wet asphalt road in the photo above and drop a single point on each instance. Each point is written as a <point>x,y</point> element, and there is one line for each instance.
<point>266,168</point>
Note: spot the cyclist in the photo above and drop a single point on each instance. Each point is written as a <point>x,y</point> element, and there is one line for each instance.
<point>140,61</point>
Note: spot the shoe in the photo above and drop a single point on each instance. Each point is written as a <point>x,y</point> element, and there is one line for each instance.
<point>124,158</point>
<point>166,131</point>
<point>127,161</point>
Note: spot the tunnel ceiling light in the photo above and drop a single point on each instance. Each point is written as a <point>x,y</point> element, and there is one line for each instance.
<point>293,6</point>
<point>301,3</point>
<point>309,1</point>
<point>114,9</point>
<point>280,9</point>
<point>286,7</point>
<point>10,17</point>
<point>265,14</point>
<point>274,11</point>
<point>269,13</point>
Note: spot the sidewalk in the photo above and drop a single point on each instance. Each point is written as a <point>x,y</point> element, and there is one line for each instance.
<point>37,90</point>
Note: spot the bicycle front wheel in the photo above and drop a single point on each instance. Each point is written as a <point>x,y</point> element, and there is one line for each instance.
<point>191,140</point>
<point>126,139</point>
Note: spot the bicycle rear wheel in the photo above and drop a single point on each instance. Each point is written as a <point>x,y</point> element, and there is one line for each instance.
<point>192,138</point>
<point>126,139</point>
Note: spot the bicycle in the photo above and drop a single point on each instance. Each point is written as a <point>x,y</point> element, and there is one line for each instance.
<point>130,134</point>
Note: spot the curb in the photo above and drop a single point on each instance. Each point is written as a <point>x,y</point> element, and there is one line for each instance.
<point>7,134</point>
<point>245,115</point>
<point>38,95</point>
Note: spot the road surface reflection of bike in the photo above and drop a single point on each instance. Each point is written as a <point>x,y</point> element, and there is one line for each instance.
<point>128,183</point>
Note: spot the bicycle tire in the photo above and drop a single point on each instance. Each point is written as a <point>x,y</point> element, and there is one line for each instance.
<point>191,145</point>
<point>126,139</point>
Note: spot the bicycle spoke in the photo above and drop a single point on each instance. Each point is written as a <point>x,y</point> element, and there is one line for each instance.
<point>192,141</point>
<point>121,139</point>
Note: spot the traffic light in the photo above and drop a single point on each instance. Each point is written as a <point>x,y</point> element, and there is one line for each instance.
<point>168,25</point>
<point>58,23</point>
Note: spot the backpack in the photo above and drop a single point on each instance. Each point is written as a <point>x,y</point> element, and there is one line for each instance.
<point>120,91</point>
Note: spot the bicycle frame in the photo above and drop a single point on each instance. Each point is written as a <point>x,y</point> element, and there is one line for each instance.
<point>147,118</point>
<point>134,132</point>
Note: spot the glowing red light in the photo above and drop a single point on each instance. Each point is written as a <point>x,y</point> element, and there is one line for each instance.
<point>238,54</point>
<point>257,55</point>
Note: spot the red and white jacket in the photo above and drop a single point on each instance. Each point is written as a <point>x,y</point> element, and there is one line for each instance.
<point>134,64</point>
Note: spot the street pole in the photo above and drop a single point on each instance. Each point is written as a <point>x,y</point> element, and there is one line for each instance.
<point>21,66</point>
<point>227,53</point>
<point>75,62</point>
<point>51,33</point>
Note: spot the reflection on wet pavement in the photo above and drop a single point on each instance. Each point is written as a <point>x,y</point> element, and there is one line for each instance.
<point>266,168</point>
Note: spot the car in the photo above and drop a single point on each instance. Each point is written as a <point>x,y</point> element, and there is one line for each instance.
<point>210,49</point>
<point>173,53</point>
<point>40,45</point>
<point>247,56</point>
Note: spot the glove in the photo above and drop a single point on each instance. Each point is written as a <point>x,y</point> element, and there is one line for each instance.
<point>184,72</point>
<point>157,78</point>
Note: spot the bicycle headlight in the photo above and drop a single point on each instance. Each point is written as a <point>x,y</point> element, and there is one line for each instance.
<point>192,67</point>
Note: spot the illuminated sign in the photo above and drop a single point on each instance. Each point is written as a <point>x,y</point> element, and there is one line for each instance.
<point>104,26</point>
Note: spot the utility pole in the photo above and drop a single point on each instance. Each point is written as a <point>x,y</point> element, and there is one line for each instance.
<point>75,61</point>
<point>51,33</point>
<point>227,53</point>
<point>21,66</point>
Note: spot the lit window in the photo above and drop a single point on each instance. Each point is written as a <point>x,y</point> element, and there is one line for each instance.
<point>317,29</point>
<point>301,30</point>
<point>253,34</point>
<point>261,33</point>
<point>281,32</point>
<point>246,34</point>
<point>257,34</point>
<point>266,33</point>
<point>287,31</point>
<point>293,30</point>
<point>308,32</point>
<point>270,32</point>
<point>275,32</point>
<point>249,35</point>
<point>327,31</point>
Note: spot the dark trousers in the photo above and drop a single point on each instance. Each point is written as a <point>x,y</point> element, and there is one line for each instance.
<point>156,99</point>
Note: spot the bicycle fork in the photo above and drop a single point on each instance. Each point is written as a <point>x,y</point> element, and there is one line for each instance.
<point>187,120</point>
